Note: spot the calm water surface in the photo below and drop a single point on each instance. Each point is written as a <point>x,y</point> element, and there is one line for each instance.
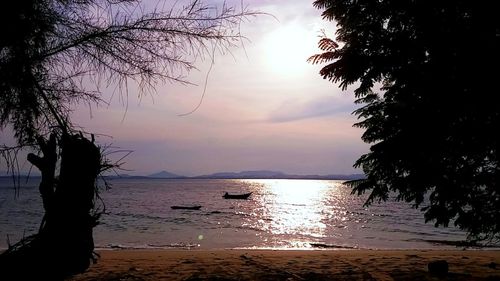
<point>296,214</point>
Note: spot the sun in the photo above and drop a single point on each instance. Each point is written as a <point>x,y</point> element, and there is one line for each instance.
<point>287,49</point>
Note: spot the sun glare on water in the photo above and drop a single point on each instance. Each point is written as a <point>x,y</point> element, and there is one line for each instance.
<point>295,206</point>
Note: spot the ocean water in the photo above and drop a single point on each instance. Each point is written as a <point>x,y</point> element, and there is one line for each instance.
<point>280,214</point>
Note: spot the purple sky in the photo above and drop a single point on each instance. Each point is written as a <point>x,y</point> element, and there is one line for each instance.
<point>265,107</point>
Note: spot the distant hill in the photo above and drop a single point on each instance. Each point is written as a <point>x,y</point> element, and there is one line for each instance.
<point>165,175</point>
<point>346,177</point>
<point>264,174</point>
<point>245,175</point>
<point>258,174</point>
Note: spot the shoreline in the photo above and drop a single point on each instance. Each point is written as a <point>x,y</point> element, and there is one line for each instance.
<point>333,249</point>
<point>318,264</point>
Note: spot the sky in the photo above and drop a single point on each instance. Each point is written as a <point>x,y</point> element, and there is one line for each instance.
<point>264,108</point>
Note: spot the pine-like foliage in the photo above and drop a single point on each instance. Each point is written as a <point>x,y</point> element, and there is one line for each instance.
<point>57,53</point>
<point>424,74</point>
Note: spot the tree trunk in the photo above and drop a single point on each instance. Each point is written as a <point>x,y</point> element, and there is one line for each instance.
<point>64,245</point>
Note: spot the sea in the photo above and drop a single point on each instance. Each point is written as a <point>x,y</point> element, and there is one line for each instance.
<point>280,214</point>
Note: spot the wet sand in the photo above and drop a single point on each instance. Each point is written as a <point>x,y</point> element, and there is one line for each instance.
<point>291,265</point>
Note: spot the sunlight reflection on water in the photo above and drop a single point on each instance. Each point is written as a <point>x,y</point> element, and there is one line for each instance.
<point>294,206</point>
<point>280,214</point>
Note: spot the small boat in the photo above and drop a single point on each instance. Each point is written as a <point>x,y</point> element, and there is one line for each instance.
<point>185,207</point>
<point>237,196</point>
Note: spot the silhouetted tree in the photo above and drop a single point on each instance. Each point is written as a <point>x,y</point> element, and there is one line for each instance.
<point>424,75</point>
<point>55,54</point>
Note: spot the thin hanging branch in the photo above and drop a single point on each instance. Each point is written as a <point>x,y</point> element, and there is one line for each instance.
<point>63,45</point>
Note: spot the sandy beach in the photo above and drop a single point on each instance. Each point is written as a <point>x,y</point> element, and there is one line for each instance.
<point>291,265</point>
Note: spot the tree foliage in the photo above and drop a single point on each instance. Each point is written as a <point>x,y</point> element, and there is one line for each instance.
<point>56,53</point>
<point>424,75</point>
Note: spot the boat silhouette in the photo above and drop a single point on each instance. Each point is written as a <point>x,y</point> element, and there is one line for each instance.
<point>236,196</point>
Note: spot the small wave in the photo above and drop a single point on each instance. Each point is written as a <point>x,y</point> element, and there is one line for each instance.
<point>217,212</point>
<point>331,246</point>
<point>231,213</point>
<point>137,216</point>
<point>180,220</point>
<point>117,247</point>
<point>456,243</point>
<point>174,245</point>
<point>294,204</point>
<point>241,214</point>
<point>408,231</point>
<point>180,245</point>
<point>113,226</point>
<point>247,227</point>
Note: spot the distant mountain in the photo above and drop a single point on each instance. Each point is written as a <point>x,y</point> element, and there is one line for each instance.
<point>264,174</point>
<point>165,175</point>
<point>346,177</point>
<point>245,174</point>
<point>258,174</point>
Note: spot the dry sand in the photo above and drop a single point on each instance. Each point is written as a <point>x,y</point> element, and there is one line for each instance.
<point>291,265</point>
